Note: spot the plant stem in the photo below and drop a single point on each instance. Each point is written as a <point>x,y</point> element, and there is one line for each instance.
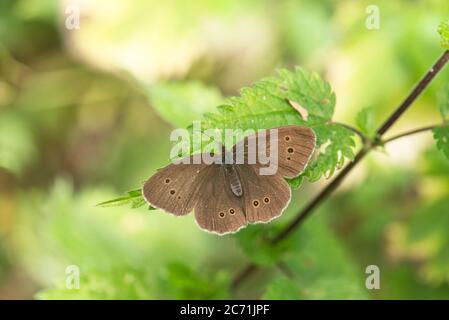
<point>408,133</point>
<point>308,209</point>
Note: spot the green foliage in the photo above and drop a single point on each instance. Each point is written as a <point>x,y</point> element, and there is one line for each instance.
<point>443,30</point>
<point>441,133</point>
<point>441,136</point>
<point>104,285</point>
<point>312,275</point>
<point>133,197</point>
<point>366,121</point>
<point>326,288</point>
<point>121,253</point>
<point>17,148</point>
<point>180,103</point>
<point>177,281</point>
<point>402,234</point>
<point>265,103</point>
<point>425,241</point>
<point>64,117</point>
<point>184,283</point>
<point>254,241</point>
<point>338,147</point>
<point>443,101</point>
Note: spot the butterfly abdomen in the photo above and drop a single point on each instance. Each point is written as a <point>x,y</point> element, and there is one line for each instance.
<point>234,180</point>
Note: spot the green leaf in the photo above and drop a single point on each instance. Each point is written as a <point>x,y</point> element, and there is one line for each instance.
<point>265,103</point>
<point>182,282</point>
<point>441,136</point>
<point>443,30</point>
<point>443,101</point>
<point>295,182</point>
<point>133,198</point>
<point>366,121</point>
<point>180,103</point>
<point>339,144</point>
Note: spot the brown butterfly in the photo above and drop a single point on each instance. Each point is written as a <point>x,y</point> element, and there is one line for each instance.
<point>226,197</point>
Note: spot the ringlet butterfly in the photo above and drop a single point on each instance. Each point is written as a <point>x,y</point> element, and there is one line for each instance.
<point>226,197</point>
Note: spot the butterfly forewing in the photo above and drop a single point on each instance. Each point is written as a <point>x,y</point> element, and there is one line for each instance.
<point>174,188</point>
<point>294,146</point>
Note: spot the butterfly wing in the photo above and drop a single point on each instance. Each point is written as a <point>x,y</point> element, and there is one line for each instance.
<point>218,209</point>
<point>265,196</point>
<point>295,145</point>
<point>174,188</point>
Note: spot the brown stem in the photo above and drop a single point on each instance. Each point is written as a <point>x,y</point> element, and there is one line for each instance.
<point>408,133</point>
<point>306,211</point>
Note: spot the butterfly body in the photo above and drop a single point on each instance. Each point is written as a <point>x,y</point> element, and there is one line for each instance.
<point>234,180</point>
<point>226,197</point>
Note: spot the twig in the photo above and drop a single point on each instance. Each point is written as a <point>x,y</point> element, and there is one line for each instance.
<point>305,212</point>
<point>408,133</point>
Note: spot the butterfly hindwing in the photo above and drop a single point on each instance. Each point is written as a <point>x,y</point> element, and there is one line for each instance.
<point>218,210</point>
<point>265,196</point>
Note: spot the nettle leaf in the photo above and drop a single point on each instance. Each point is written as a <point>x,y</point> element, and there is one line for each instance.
<point>443,30</point>
<point>133,198</point>
<point>366,121</point>
<point>441,136</point>
<point>337,146</point>
<point>268,103</point>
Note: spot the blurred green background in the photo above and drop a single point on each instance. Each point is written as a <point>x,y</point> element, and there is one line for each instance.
<point>85,115</point>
